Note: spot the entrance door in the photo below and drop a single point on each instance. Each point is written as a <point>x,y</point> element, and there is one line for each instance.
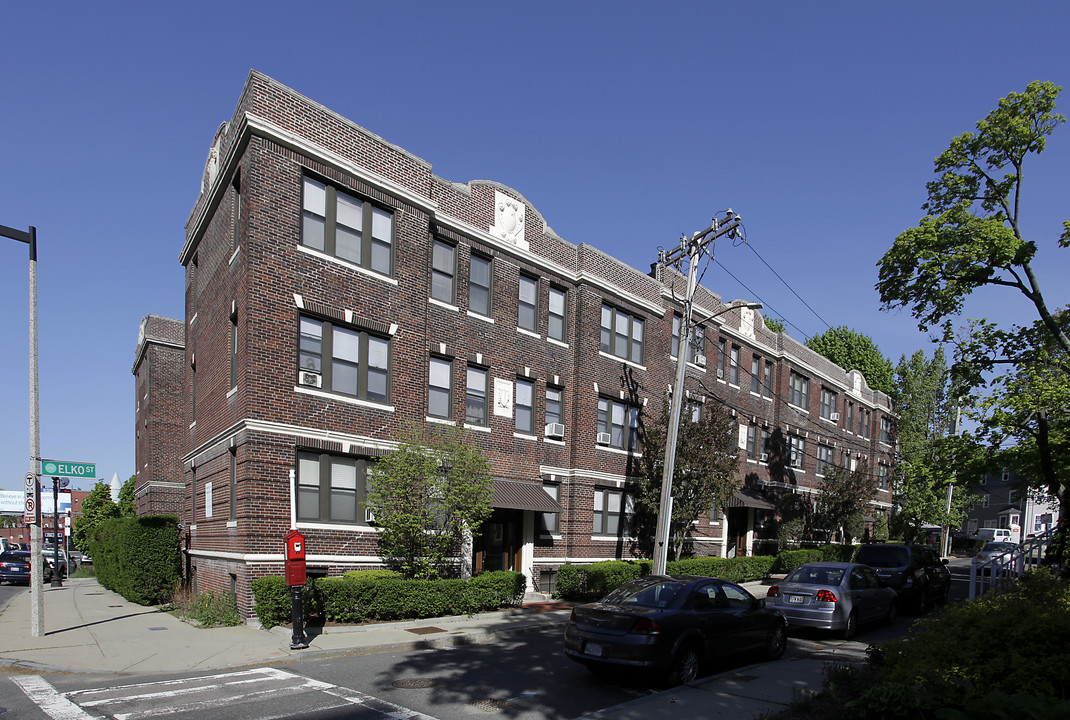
<point>500,541</point>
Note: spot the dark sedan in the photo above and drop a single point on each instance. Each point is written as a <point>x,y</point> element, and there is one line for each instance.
<point>15,567</point>
<point>671,625</point>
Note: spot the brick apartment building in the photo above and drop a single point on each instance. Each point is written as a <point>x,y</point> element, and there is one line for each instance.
<point>338,291</point>
<point>159,433</point>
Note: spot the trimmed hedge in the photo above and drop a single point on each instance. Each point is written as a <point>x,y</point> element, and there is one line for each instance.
<point>365,595</point>
<point>590,582</point>
<point>138,557</point>
<point>788,560</point>
<point>739,570</point>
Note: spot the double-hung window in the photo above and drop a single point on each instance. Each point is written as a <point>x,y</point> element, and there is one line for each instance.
<point>756,375</point>
<point>551,522</point>
<point>349,361</point>
<point>752,442</point>
<point>476,396</point>
<point>824,458</point>
<point>796,451</point>
<point>733,366</point>
<point>722,359</point>
<point>882,476</point>
<point>613,511</point>
<point>340,224</point>
<point>553,405</point>
<point>527,304</point>
<point>440,388</point>
<point>525,406</point>
<point>799,390</point>
<point>331,488</point>
<point>886,430</point>
<point>555,319</point>
<point>697,344</point>
<point>621,421</point>
<point>622,335</point>
<point>828,403</point>
<point>443,271</point>
<point>479,277</point>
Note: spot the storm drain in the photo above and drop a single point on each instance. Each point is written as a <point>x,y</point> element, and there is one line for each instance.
<point>491,704</point>
<point>425,630</point>
<point>415,683</point>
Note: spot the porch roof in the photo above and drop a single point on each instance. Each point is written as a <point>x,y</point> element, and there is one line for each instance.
<point>517,495</point>
<point>746,497</point>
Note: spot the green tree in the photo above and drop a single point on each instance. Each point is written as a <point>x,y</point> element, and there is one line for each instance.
<point>428,496</point>
<point>843,497</point>
<point>853,350</point>
<point>96,508</point>
<point>127,504</point>
<point>704,474</point>
<point>971,237</point>
<point>776,326</point>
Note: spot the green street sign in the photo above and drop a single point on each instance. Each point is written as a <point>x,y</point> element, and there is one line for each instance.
<point>69,469</point>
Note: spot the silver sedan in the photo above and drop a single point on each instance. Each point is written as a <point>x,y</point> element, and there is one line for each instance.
<point>835,596</point>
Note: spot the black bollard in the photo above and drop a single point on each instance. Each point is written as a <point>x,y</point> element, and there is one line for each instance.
<point>298,641</point>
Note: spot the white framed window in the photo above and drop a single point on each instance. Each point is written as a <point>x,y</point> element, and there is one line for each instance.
<point>621,421</point>
<point>524,407</point>
<point>440,388</point>
<point>799,390</point>
<point>622,334</point>
<point>443,271</point>
<point>340,224</point>
<point>331,488</point>
<point>613,512</point>
<point>479,285</point>
<point>555,323</point>
<point>528,303</point>
<point>348,360</point>
<point>476,396</point>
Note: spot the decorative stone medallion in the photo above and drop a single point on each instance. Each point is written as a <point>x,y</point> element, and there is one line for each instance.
<point>508,219</point>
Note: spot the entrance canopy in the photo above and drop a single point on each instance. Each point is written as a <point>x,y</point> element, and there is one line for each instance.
<point>517,495</point>
<point>745,497</point>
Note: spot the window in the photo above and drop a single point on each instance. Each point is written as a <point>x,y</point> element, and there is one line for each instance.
<point>733,366</point>
<point>882,476</point>
<point>886,430</point>
<point>476,396</point>
<point>985,499</point>
<point>756,375</point>
<point>613,510</point>
<point>551,521</point>
<point>440,388</point>
<point>796,451</point>
<point>697,344</point>
<point>752,442</point>
<point>479,277</point>
<point>235,234</point>
<point>621,421</point>
<point>525,406</point>
<point>824,458</point>
<point>555,323</point>
<point>233,461</point>
<point>443,271</point>
<point>193,388</point>
<point>864,422</point>
<point>193,499</point>
<point>350,361</point>
<point>527,303</point>
<point>850,416</point>
<point>622,335</point>
<point>331,488</point>
<point>553,405</point>
<point>722,359</point>
<point>828,403</point>
<point>234,349</point>
<point>799,390</point>
<point>339,224</point>
<point>767,386</point>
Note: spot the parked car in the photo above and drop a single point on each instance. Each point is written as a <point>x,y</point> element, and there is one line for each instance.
<point>50,560</point>
<point>995,535</point>
<point>915,571</point>
<point>15,567</point>
<point>833,596</point>
<point>670,625</point>
<point>991,550</point>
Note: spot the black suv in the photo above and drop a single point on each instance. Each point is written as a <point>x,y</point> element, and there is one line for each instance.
<point>915,571</point>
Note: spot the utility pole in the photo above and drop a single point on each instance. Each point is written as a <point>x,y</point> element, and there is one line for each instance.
<point>691,248</point>
<point>945,541</point>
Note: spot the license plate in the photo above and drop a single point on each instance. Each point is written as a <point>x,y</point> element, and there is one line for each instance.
<point>593,649</point>
<point>795,599</point>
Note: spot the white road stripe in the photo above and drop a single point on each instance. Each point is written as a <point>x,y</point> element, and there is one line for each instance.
<point>52,702</point>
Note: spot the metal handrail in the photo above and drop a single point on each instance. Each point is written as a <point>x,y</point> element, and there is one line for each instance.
<point>1010,565</point>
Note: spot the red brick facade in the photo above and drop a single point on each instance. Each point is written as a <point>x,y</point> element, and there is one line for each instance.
<point>256,428</point>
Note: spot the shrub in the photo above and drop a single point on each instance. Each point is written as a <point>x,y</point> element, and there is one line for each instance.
<point>788,560</point>
<point>207,609</point>
<point>138,557</point>
<point>589,582</point>
<point>740,570</point>
<point>273,605</point>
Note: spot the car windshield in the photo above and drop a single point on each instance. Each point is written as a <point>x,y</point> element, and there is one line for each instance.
<point>886,556</point>
<point>817,575</point>
<point>652,595</point>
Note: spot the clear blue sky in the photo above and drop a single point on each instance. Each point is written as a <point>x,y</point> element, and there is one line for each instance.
<point>626,125</point>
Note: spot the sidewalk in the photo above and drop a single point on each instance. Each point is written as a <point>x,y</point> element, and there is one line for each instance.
<point>88,629</point>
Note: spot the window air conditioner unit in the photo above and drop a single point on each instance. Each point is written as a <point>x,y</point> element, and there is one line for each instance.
<point>720,373</point>
<point>700,359</point>
<point>764,457</point>
<point>604,438</point>
<point>312,379</point>
<point>834,417</point>
<point>555,430</point>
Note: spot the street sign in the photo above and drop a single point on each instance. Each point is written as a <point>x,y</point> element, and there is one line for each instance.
<point>66,467</point>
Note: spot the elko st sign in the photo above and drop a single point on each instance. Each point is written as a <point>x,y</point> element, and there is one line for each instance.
<point>68,468</point>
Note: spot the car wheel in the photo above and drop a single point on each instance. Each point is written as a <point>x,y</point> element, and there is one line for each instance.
<point>776,642</point>
<point>851,627</point>
<point>893,612</point>
<point>685,665</point>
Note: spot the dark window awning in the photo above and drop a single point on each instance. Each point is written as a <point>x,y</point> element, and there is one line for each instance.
<point>745,497</point>
<point>517,495</point>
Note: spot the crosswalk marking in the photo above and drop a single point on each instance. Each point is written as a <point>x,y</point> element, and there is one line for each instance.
<point>148,700</point>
